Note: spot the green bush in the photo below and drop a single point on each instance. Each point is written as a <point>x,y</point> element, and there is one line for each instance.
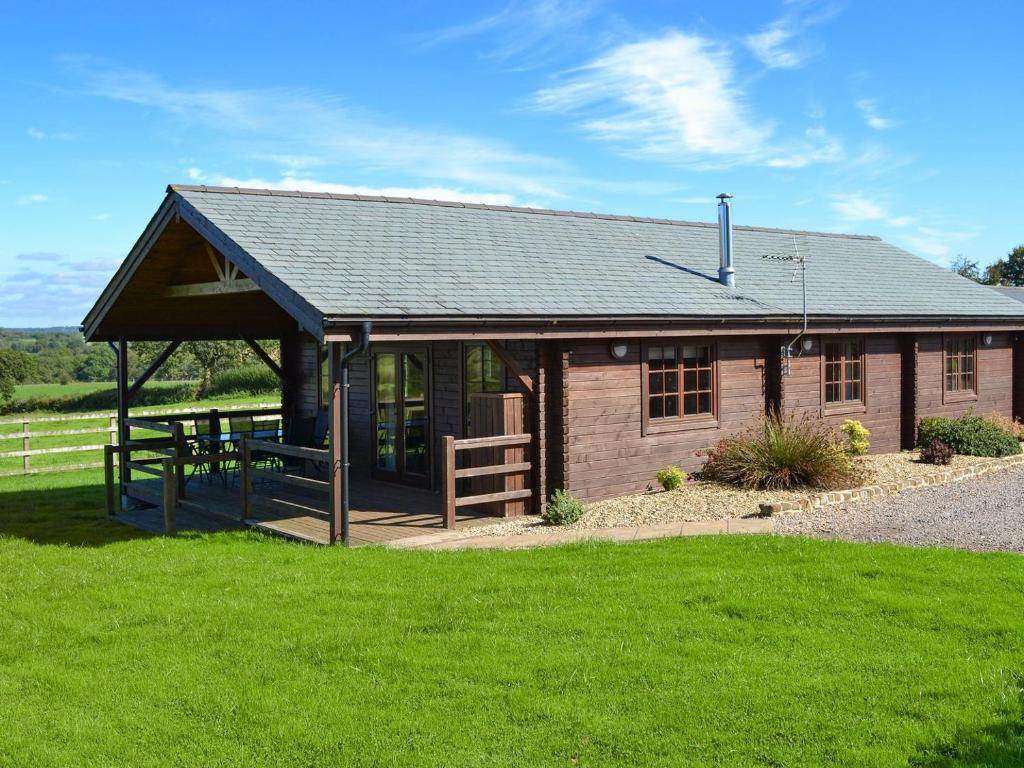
<point>782,455</point>
<point>247,380</point>
<point>968,435</point>
<point>937,452</point>
<point>563,509</point>
<point>671,478</point>
<point>857,436</point>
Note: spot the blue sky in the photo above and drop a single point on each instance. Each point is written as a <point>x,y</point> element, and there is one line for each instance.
<point>897,119</point>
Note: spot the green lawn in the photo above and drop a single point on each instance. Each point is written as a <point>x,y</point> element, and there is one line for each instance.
<point>235,649</point>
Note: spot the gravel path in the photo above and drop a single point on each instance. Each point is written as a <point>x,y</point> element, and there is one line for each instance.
<point>982,514</point>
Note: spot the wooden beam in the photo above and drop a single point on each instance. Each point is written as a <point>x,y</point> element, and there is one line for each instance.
<point>155,366</point>
<point>511,364</point>
<point>216,288</point>
<point>221,275</point>
<point>122,410</point>
<point>267,359</point>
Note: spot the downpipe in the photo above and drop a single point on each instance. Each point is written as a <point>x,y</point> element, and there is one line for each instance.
<point>360,348</point>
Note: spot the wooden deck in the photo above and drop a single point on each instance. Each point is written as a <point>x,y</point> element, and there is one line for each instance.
<point>380,511</point>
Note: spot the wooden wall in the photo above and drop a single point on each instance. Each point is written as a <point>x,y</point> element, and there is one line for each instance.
<point>802,391</point>
<point>995,378</point>
<point>606,454</point>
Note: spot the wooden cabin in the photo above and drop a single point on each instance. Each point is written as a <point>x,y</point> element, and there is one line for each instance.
<point>467,360</point>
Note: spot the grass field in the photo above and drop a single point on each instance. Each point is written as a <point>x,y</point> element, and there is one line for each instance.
<point>25,391</point>
<point>234,649</point>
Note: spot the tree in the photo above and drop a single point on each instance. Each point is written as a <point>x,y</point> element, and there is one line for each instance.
<point>15,367</point>
<point>213,356</point>
<point>994,273</point>
<point>97,364</point>
<point>966,268</point>
<point>1013,271</point>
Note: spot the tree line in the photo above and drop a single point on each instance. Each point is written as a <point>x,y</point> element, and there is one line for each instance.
<point>1006,271</point>
<point>62,356</point>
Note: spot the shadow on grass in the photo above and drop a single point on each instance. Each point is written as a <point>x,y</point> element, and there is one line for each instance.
<point>63,514</point>
<point>995,745</point>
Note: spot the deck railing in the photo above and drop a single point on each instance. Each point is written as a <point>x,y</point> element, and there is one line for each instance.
<point>308,456</point>
<point>26,433</point>
<point>452,446</point>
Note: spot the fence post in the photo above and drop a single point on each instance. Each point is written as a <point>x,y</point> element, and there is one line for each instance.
<point>25,461</point>
<point>108,477</point>
<point>245,478</point>
<point>180,451</point>
<point>113,429</point>
<point>170,500</point>
<point>448,488</point>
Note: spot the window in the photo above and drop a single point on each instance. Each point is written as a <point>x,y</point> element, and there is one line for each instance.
<point>482,371</point>
<point>960,364</point>
<point>680,381</point>
<point>844,372</point>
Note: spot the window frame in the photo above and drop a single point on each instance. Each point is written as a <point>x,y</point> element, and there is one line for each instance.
<point>844,406</point>
<point>962,395</point>
<point>681,422</point>
<point>464,393</point>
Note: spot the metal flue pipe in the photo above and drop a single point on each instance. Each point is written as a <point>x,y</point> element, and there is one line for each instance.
<point>726,269</point>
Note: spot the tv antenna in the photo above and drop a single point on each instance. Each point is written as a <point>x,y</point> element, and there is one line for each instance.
<point>799,259</point>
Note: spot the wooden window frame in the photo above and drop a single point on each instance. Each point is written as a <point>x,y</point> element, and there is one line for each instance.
<point>679,423</point>
<point>959,396</point>
<point>464,390</point>
<point>844,406</point>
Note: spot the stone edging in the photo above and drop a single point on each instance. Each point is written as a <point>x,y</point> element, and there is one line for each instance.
<point>827,498</point>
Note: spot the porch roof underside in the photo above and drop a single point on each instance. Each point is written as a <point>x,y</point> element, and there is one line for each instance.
<point>325,260</point>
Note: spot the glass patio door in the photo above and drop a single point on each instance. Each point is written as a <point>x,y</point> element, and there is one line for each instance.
<point>402,447</point>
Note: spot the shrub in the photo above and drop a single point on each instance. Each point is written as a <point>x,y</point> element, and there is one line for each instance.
<point>671,478</point>
<point>1005,423</point>
<point>563,509</point>
<point>857,435</point>
<point>968,436</point>
<point>937,452</point>
<point>779,455</point>
<point>247,380</point>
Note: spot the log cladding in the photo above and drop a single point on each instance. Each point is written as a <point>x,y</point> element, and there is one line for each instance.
<point>606,451</point>
<point>994,378</point>
<point>879,410</point>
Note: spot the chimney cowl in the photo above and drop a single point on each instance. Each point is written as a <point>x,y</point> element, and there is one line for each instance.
<point>726,268</point>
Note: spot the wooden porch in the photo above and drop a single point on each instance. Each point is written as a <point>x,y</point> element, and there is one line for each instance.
<point>380,511</point>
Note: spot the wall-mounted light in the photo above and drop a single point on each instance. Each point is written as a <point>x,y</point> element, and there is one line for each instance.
<point>807,344</point>
<point>987,339</point>
<point>619,349</point>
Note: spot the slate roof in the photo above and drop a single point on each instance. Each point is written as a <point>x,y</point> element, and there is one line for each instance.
<point>350,256</point>
<point>1014,292</point>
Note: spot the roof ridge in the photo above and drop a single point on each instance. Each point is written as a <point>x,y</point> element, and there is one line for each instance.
<point>501,208</point>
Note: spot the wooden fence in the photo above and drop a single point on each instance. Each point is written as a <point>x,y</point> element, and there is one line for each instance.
<point>28,428</point>
<point>452,475</point>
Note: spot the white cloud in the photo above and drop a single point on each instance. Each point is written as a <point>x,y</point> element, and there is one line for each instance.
<point>100,216</point>
<point>32,199</point>
<point>675,98</point>
<point>529,32</point>
<point>36,134</point>
<point>768,46</point>
<point>39,135</point>
<point>869,110</point>
<point>294,123</point>
<point>52,290</point>
<point>422,193</point>
<point>194,173</point>
<point>855,207</point>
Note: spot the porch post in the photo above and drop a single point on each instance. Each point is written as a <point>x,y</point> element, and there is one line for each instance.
<point>338,522</point>
<point>122,411</point>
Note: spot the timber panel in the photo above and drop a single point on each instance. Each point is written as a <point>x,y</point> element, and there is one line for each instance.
<point>606,453</point>
<point>802,391</point>
<point>994,378</point>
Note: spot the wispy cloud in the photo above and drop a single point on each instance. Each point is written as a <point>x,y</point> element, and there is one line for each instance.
<point>296,123</point>
<point>52,290</point>
<point>777,45</point>
<point>312,185</point>
<point>40,135</point>
<point>530,33</point>
<point>676,98</point>
<point>104,216</point>
<point>33,198</point>
<point>856,207</point>
<point>869,110</point>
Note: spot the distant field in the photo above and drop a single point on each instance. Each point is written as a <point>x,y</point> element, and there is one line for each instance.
<point>25,391</point>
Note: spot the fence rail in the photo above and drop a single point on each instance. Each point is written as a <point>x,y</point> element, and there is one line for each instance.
<point>157,420</point>
<point>452,500</point>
